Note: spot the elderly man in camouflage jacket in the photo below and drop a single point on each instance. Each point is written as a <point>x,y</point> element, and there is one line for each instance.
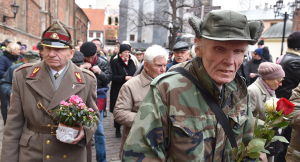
<point>174,122</point>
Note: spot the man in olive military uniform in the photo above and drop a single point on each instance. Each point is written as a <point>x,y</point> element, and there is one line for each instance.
<point>29,134</point>
<point>179,122</point>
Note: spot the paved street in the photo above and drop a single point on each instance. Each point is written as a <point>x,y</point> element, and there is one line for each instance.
<point>112,143</point>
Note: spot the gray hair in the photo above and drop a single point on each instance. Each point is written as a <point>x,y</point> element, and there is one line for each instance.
<point>153,52</point>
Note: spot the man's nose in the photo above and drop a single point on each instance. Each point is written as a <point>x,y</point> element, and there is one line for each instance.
<point>229,59</point>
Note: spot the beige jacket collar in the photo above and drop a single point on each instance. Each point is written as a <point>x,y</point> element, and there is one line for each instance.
<point>291,50</point>
<point>145,79</point>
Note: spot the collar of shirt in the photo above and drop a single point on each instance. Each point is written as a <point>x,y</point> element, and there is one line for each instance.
<point>54,72</point>
<point>149,77</point>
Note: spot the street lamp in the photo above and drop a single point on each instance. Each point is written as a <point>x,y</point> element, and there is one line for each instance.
<point>14,9</point>
<point>294,8</point>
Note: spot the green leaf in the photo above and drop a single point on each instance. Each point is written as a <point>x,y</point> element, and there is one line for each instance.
<point>254,155</point>
<point>242,147</point>
<point>265,151</point>
<point>66,119</point>
<point>266,131</point>
<point>70,121</point>
<point>282,124</point>
<point>256,145</point>
<point>277,120</point>
<point>257,132</point>
<point>257,160</point>
<point>279,138</point>
<point>234,150</point>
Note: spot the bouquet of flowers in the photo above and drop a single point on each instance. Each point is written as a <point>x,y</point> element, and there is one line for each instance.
<point>71,115</point>
<point>277,113</point>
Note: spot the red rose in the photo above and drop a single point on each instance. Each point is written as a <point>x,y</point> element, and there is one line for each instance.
<point>286,105</point>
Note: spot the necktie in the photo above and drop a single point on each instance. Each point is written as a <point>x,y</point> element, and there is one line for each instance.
<point>56,76</point>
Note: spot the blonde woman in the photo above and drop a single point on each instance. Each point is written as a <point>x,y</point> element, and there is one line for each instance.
<point>10,55</point>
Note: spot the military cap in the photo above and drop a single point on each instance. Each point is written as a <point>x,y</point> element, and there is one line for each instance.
<point>32,56</point>
<point>57,36</point>
<point>138,53</point>
<point>226,25</point>
<point>179,46</point>
<point>78,58</point>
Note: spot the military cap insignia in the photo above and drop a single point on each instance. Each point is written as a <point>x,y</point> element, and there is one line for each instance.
<point>55,26</point>
<point>78,77</point>
<point>34,72</point>
<point>54,36</point>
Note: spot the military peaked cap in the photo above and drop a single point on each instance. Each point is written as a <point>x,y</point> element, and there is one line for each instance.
<point>57,36</point>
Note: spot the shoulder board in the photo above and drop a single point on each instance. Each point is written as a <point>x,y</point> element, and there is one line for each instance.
<point>162,76</point>
<point>24,66</point>
<point>88,72</point>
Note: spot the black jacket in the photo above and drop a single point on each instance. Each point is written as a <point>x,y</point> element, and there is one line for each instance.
<point>119,71</point>
<point>244,71</point>
<point>105,76</point>
<point>253,68</point>
<point>291,66</point>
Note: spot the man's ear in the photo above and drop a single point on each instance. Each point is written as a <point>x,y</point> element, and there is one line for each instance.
<point>72,51</point>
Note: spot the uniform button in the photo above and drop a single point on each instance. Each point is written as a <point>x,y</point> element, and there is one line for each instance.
<point>48,142</point>
<point>48,125</point>
<point>65,156</point>
<point>47,157</point>
<point>50,111</point>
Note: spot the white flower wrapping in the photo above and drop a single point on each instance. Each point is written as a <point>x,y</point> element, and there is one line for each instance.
<point>66,134</point>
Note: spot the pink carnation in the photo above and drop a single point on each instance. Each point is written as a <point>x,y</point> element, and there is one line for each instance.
<point>75,99</point>
<point>91,110</point>
<point>91,117</point>
<point>64,103</point>
<point>81,105</point>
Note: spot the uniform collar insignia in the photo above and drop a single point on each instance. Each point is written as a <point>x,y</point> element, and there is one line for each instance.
<point>78,77</point>
<point>34,72</point>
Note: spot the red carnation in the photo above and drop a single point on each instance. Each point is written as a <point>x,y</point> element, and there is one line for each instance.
<point>286,105</point>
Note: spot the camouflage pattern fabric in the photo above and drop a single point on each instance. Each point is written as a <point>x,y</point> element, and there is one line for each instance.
<point>174,123</point>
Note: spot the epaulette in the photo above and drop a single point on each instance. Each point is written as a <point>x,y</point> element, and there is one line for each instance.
<point>89,72</point>
<point>24,66</point>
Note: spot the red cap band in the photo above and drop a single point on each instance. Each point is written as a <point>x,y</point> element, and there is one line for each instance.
<point>61,37</point>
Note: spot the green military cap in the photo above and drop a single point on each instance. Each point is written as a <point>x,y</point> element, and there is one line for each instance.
<point>32,56</point>
<point>226,25</point>
<point>57,36</point>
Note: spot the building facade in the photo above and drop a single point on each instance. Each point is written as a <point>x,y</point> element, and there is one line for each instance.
<point>111,27</point>
<point>34,16</point>
<point>96,27</point>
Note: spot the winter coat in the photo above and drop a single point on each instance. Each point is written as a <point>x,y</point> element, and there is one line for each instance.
<point>253,68</point>
<point>258,96</point>
<point>291,66</point>
<point>21,144</point>
<point>105,76</point>
<point>119,71</point>
<point>6,81</point>
<point>6,60</point>
<point>130,98</point>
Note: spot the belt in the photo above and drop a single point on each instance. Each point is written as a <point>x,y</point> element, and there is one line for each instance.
<point>51,129</point>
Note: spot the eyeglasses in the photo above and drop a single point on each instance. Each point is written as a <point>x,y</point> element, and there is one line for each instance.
<point>280,81</point>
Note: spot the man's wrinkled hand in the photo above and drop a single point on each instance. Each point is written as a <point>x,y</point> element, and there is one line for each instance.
<point>96,70</point>
<point>86,65</point>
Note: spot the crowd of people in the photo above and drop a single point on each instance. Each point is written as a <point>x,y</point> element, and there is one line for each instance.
<point>169,102</point>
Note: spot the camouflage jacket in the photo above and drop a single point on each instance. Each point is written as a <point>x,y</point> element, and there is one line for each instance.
<point>174,123</point>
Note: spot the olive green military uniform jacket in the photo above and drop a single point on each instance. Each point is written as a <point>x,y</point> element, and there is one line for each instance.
<point>174,123</point>
<point>293,151</point>
<point>23,145</point>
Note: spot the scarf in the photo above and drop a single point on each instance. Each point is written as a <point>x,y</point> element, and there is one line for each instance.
<point>10,56</point>
<point>125,60</point>
<point>271,92</point>
<point>92,63</point>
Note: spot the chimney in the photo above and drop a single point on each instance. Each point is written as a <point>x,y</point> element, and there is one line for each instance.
<point>90,6</point>
<point>266,7</point>
<point>271,6</point>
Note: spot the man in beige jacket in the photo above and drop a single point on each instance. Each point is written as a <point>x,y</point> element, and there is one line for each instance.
<point>133,91</point>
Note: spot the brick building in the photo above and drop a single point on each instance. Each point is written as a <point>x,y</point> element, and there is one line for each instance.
<point>34,16</point>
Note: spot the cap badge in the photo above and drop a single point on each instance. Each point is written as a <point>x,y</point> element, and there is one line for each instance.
<point>78,77</point>
<point>55,26</point>
<point>34,72</point>
<point>54,36</point>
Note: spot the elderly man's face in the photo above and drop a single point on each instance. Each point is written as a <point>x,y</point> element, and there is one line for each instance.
<point>139,57</point>
<point>181,56</point>
<point>57,58</point>
<point>158,67</point>
<point>221,59</point>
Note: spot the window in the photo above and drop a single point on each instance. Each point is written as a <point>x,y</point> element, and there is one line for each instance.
<point>116,21</point>
<point>98,34</point>
<point>109,32</point>
<point>91,34</point>
<point>109,20</point>
<point>273,24</point>
<point>116,32</point>
<point>131,37</point>
<point>111,42</point>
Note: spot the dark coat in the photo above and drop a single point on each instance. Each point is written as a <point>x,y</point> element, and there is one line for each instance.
<point>119,71</point>
<point>253,68</point>
<point>291,66</point>
<point>105,76</point>
<point>6,61</point>
<point>6,81</point>
<point>244,71</point>
<point>174,62</point>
